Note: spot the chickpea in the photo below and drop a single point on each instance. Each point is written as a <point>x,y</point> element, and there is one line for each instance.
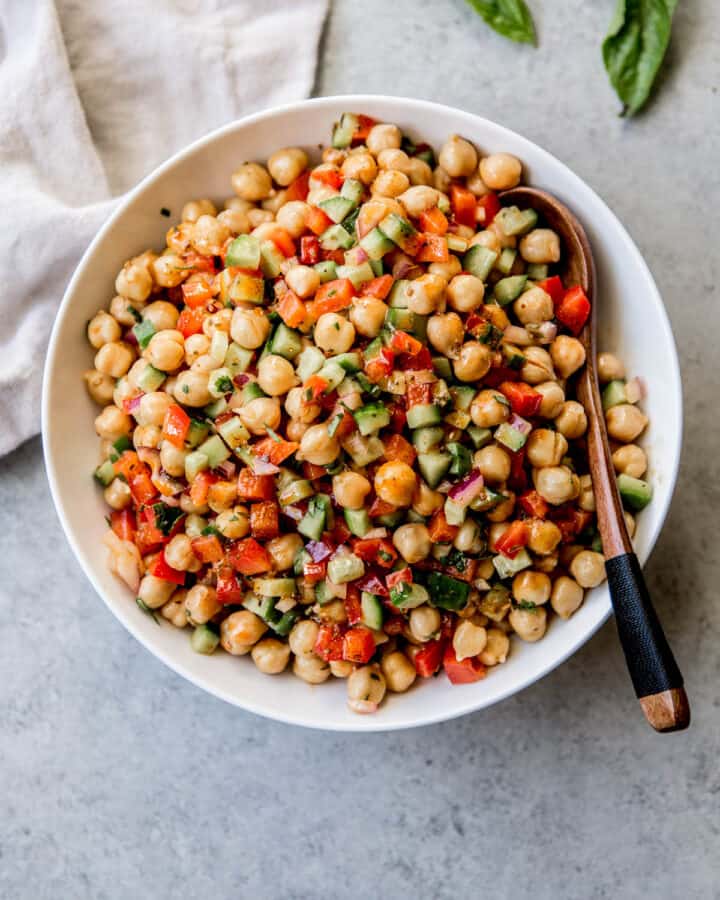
<point>192,211</point>
<point>390,183</point>
<point>113,423</point>
<point>340,668</point>
<point>252,182</point>
<point>568,355</point>
<point>295,430</point>
<point>394,159</point>
<point>567,596</point>
<point>201,604</point>
<point>501,171</point>
<point>395,483</point>
<point>172,459</point>
<point>117,494</point>
<point>240,631</point>
<point>196,346</point>
<point>303,636</point>
<point>283,550</point>
<point>187,505</point>
<point>625,422</point>
<point>195,525</point>
<point>572,421</point>
<point>303,280</point>
<point>541,245</point>
<point>318,447</point>
<point>458,157</point>
<point>361,167</point>
<point>424,623</point>
<point>383,137</point>
<point>333,612</point>
<point>588,568</point>
<point>419,172</point>
<point>174,609</point>
<point>260,414</point>
<point>465,293</point>
<point>534,306</point>
<point>629,523</point>
<point>100,386</point>
<point>419,199</point>
<point>586,500</point>
<point>529,624</point>
<point>166,350</point>
<point>412,542</point>
<point>531,587</point>
<point>425,500</point>
<point>154,592</point>
<point>487,238</point>
<point>292,216</point>
<point>553,399</point>
<point>147,436</point>
<point>468,539</point>
<point>366,689</point>
<point>236,220</point>
<point>249,327</point>
<point>368,315</point>
<point>257,216</point>
<point>287,164</point>
<point>445,331</point>
<point>609,368</point>
<point>134,281</point>
<point>630,460</point>
<point>474,361</point>
<point>399,672</point>
<point>297,408</point>
<point>124,390</point>
<point>161,314</point>
<point>544,536</point>
<point>311,668</point>
<point>169,270</point>
<point>545,447</point>
<point>114,358</point>
<point>489,408</point>
<point>153,407</point>
<point>191,389</point>
<point>425,293</point>
<point>179,553</point>
<point>495,532</point>
<point>494,463</point>
<point>447,270</point>
<point>469,640</point>
<point>208,235</point>
<point>276,375</point>
<point>556,484</point>
<point>124,311</point>
<point>475,184</point>
<point>496,648</point>
<point>350,489</point>
<point>103,329</point>
<point>270,655</point>
<point>503,510</point>
<point>334,333</point>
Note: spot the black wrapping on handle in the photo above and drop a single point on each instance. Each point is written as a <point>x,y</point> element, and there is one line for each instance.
<point>649,658</point>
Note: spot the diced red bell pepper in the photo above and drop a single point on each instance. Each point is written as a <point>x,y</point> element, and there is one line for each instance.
<point>398,417</point>
<point>314,388</point>
<point>345,426</point>
<point>513,540</point>
<point>336,256</point>
<point>248,557</point>
<point>463,204</point>
<point>419,362</point>
<point>331,177</point>
<point>499,374</point>
<point>200,487</point>
<point>314,572</point>
<point>176,425</point>
<point>122,522</point>
<point>275,452</point>
<point>441,532</point>
<point>229,590</point>
<point>198,262</point>
<point>149,537</point>
<point>309,250</point>
<point>313,472</point>
<point>198,289</point>
<point>161,569</point>
<point>434,249</point>
<point>399,576</point>
<point>283,241</point>
<point>397,448</point>
<point>378,287</point>
<point>255,487</point>
<point>375,550</point>
<point>331,297</point>
<point>190,321</point>
<point>554,287</point>
<point>434,221</point>
<point>264,520</point>
<point>518,480</point>
<point>299,188</point>
<point>380,366</point>
<point>292,310</point>
<point>466,573</point>
<point>487,208</point>
<point>401,342</point>
<point>358,645</point>
<point>137,476</point>
<point>394,625</point>
<point>365,124</point>
<point>381,508</point>
<point>207,548</point>
<point>462,671</point>
<point>427,660</point>
<point>340,533</point>
<point>418,393</point>
<point>317,220</point>
<point>353,606</point>
<point>533,504</point>
<point>329,643</point>
<point>524,400</point>
<point>573,310</point>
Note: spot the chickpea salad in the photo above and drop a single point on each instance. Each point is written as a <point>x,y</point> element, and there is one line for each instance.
<point>339,428</point>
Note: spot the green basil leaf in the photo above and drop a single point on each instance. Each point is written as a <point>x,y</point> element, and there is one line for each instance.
<point>635,46</point>
<point>510,18</point>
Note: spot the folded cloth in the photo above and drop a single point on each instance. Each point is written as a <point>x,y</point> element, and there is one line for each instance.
<point>95,95</point>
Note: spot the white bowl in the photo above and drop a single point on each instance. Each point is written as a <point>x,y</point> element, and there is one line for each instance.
<point>633,323</point>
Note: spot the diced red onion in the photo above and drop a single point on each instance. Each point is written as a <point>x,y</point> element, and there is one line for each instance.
<point>131,404</point>
<point>517,335</point>
<point>292,512</point>
<point>228,468</point>
<point>375,534</point>
<point>481,584</point>
<point>519,424</point>
<point>241,379</point>
<point>546,332</point>
<point>469,489</point>
<point>171,501</point>
<point>318,550</point>
<point>130,338</point>
<point>360,256</point>
<point>444,487</point>
<point>263,467</point>
<point>372,584</point>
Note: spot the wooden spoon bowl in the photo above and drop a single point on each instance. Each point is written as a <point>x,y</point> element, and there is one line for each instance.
<point>653,670</point>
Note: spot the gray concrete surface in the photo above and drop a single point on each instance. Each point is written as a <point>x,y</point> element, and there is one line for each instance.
<point>120,780</point>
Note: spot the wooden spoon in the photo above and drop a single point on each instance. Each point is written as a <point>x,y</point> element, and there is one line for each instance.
<point>653,670</point>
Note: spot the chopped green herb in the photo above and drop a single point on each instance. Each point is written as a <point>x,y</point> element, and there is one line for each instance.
<point>186,389</point>
<point>526,605</point>
<point>146,609</point>
<point>224,384</point>
<point>335,424</point>
<point>211,529</point>
<point>166,517</point>
<point>273,434</point>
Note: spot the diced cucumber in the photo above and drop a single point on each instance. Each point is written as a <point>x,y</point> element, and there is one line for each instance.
<point>403,319</point>
<point>239,287</point>
<point>442,367</point>
<point>359,275</point>
<point>509,289</point>
<point>462,459</point>
<point>424,439</point>
<point>275,587</point>
<point>105,473</point>
<point>506,260</point>
<point>373,348</point>
<point>310,361</point>
<point>614,394</point>
<point>376,244</point>
<point>220,382</point>
<point>479,260</point>
<point>391,520</point>
<point>372,611</point>
<point>456,244</point>
<point>233,432</point>
<point>423,414</point>
<point>214,409</point>
<point>537,271</point>
<point>294,492</point>
<point>487,500</point>
<point>358,521</point>
<point>313,522</point>
<point>454,512</point>
<point>479,436</point>
<point>333,374</point>
<point>197,433</point>
<point>371,418</point>
<point>511,437</point>
<point>415,517</point>
<point>363,450</point>
<point>344,566</point>
<point>399,229</point>
<point>283,625</point>
<point>337,208</point>
<point>323,594</point>
<point>514,357</point>
<point>327,270</point>
<point>195,463</point>
<point>506,567</point>
<point>447,592</point>
<point>344,130</point>
<point>458,419</point>
<point>350,362</point>
<point>514,221</point>
<point>302,557</point>
<point>397,298</point>
<point>635,493</point>
<point>434,466</point>
<point>205,639</point>
<point>286,342</point>
<point>215,450</point>
<point>488,334</point>
<point>462,396</point>
<point>350,385</point>
<point>143,331</point>
<point>251,391</point>
<point>407,595</point>
<point>419,328</point>
<point>377,267</point>
<point>238,359</point>
<point>336,238</point>
<point>244,252</point>
<point>352,190</point>
<point>150,379</point>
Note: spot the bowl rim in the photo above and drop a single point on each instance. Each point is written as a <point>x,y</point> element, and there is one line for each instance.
<point>406,106</point>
